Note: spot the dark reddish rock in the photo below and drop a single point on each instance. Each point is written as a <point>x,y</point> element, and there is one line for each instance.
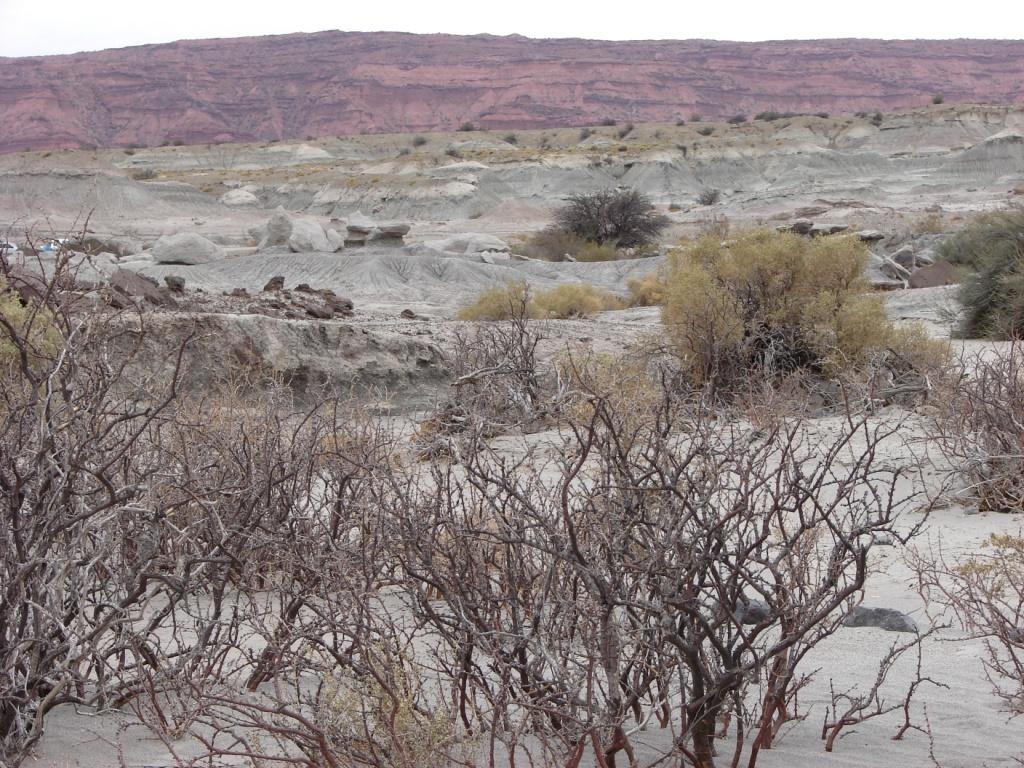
<point>276,283</point>
<point>940,273</point>
<point>330,83</point>
<point>339,304</point>
<point>174,283</point>
<point>138,286</point>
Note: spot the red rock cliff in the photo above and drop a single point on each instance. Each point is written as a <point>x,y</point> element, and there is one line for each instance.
<point>293,86</point>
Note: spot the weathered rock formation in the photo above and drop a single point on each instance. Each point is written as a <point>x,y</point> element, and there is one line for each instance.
<point>331,83</point>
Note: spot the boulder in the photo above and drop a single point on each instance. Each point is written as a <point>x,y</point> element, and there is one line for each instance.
<point>308,236</point>
<point>120,246</point>
<point>470,243</point>
<point>339,304</point>
<point>869,235</point>
<point>925,257</point>
<point>393,229</point>
<point>277,230</point>
<point>315,309</point>
<point>934,275</point>
<point>239,197</point>
<point>801,226</point>
<point>904,257</point>
<point>752,612</point>
<point>880,618</point>
<point>186,248</point>
<point>275,283</point>
<point>138,286</point>
<point>887,268</point>
<point>822,230</point>
<point>336,240</point>
<point>360,222</point>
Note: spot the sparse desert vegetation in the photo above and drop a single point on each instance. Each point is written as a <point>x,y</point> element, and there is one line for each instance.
<point>990,250</point>
<point>623,218</point>
<point>775,304</point>
<point>317,462</point>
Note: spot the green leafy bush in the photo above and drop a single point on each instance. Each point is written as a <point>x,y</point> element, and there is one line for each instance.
<point>990,249</point>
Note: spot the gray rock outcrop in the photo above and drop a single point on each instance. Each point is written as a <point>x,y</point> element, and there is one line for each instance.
<point>186,248</point>
<point>308,236</point>
<point>470,243</point>
<point>298,234</point>
<point>882,618</point>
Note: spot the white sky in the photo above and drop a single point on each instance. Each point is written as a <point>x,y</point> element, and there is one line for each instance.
<point>37,27</point>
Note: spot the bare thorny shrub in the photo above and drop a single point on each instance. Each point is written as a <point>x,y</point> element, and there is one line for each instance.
<point>651,573</point>
<point>985,591</point>
<point>979,428</point>
<point>177,554</point>
<point>284,589</point>
<point>498,380</point>
<point>71,473</point>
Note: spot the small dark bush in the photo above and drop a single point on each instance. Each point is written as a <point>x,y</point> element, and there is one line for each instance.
<point>620,217</point>
<point>991,250</point>
<point>144,175</point>
<point>707,130</point>
<point>695,117</point>
<point>737,119</point>
<point>452,152</point>
<point>511,138</point>
<point>680,122</point>
<point>608,122</point>
<point>466,127</point>
<point>404,151</point>
<point>876,119</point>
<point>419,141</point>
<point>586,133</point>
<point>709,197</point>
<point>178,143</point>
<point>938,98</point>
<point>625,130</point>
<point>770,115</point>
<point>822,115</point>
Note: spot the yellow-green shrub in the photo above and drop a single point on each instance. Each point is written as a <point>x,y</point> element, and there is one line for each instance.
<point>776,303</point>
<point>32,324</point>
<point>647,291</point>
<point>567,301</point>
<point>517,300</point>
<point>511,300</point>
<point>553,244</point>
